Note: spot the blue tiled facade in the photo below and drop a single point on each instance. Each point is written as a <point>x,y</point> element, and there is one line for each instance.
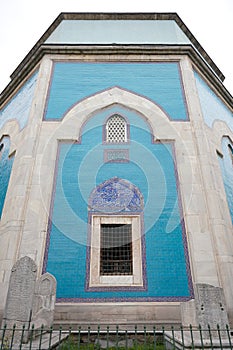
<point>73,81</point>
<point>151,168</point>
<point>212,106</point>
<point>226,164</point>
<point>214,109</point>
<point>5,169</point>
<point>18,108</point>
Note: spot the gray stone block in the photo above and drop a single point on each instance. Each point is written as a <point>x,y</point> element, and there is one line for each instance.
<point>20,296</point>
<point>44,301</point>
<point>211,308</point>
<point>207,309</point>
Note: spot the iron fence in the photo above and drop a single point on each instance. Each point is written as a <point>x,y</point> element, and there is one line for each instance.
<point>111,337</point>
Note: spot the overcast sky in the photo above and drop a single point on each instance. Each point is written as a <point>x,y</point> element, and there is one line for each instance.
<point>22,23</point>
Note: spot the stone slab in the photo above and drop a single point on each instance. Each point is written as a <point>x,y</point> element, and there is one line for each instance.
<point>44,301</point>
<point>18,307</point>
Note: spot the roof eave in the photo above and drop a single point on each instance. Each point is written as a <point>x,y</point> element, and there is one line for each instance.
<point>119,16</point>
<point>46,49</point>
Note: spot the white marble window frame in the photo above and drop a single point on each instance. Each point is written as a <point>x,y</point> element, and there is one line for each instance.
<point>136,278</point>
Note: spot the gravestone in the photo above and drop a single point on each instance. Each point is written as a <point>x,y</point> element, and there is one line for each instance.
<point>19,297</point>
<point>208,308</point>
<point>44,301</point>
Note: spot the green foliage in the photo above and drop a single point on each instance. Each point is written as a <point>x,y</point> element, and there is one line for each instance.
<point>72,346</point>
<point>5,344</point>
<point>72,343</point>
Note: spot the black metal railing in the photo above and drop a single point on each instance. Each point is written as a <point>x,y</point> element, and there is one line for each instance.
<point>112,337</point>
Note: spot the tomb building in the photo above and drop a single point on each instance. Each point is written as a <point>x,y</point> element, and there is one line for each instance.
<point>116,171</point>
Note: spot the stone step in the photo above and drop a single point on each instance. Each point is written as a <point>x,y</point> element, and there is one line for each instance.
<point>44,342</point>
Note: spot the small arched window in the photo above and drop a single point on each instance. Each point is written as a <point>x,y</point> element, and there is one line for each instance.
<point>231,152</point>
<point>116,129</point>
<point>1,149</point>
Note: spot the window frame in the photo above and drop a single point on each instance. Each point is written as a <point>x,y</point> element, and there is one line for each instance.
<point>134,280</point>
<point>105,131</point>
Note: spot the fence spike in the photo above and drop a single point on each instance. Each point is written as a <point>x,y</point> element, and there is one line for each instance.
<point>13,334</point>
<point>88,336</point>
<point>219,336</point>
<point>182,335</point>
<point>145,337</point>
<point>22,334</point>
<point>3,335</point>
<point>191,333</point>
<point>229,335</point>
<point>79,336</point>
<point>59,337</point>
<point>201,336</point>
<point>135,337</point>
<point>210,336</point>
<point>117,330</point>
<point>154,337</point>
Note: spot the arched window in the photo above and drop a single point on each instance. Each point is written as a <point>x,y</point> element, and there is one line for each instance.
<point>1,149</point>
<point>226,164</point>
<point>6,163</point>
<point>116,129</point>
<point>1,146</point>
<point>231,152</point>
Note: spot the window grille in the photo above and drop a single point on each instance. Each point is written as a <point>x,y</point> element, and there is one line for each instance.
<point>116,129</point>
<point>116,249</point>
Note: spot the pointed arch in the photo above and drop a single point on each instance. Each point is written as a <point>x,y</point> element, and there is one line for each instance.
<point>80,113</point>
<point>226,164</point>
<point>6,163</point>
<point>116,195</point>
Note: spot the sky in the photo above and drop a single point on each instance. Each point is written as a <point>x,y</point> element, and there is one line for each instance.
<point>23,22</point>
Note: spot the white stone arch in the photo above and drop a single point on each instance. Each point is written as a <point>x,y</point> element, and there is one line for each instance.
<point>69,131</point>
<point>221,129</point>
<point>73,121</point>
<point>11,129</point>
<point>6,168</point>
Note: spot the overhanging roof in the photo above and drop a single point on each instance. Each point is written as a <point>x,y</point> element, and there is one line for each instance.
<point>141,30</point>
<point>176,32</point>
